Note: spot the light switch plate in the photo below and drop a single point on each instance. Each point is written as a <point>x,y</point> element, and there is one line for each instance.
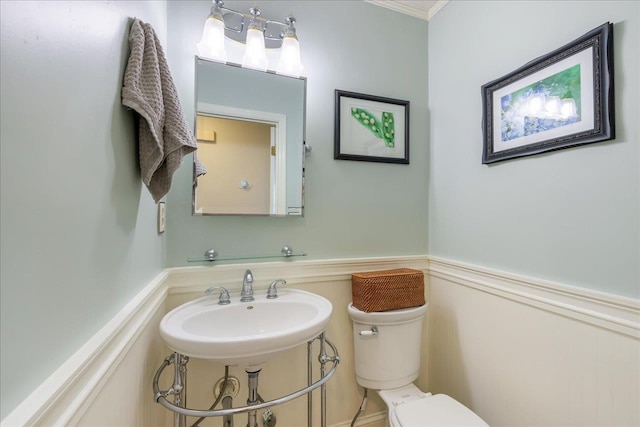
<point>161,217</point>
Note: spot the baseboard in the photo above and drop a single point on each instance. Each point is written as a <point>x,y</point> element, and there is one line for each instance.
<point>371,420</point>
<point>612,312</point>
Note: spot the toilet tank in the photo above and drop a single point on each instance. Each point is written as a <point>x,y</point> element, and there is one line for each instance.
<point>390,357</point>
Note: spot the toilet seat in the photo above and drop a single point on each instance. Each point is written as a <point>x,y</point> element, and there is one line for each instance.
<point>437,410</point>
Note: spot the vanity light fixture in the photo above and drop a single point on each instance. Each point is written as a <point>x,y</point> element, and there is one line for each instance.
<point>542,106</point>
<point>256,33</point>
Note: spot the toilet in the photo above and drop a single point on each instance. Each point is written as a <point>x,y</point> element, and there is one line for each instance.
<point>387,359</point>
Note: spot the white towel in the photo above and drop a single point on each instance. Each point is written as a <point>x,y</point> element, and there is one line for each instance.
<point>164,136</point>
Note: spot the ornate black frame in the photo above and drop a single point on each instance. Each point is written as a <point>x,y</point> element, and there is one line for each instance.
<point>601,39</point>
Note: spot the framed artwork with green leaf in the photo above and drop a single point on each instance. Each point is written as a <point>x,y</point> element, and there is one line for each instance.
<point>371,128</point>
<point>560,100</point>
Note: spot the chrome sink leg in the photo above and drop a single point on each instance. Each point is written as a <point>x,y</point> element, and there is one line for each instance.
<point>180,388</point>
<point>252,416</point>
<point>322,358</point>
<point>309,382</point>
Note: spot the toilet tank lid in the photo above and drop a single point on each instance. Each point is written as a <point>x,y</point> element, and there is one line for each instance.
<point>437,410</point>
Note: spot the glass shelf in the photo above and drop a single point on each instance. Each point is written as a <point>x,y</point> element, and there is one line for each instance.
<point>241,257</point>
<point>212,255</point>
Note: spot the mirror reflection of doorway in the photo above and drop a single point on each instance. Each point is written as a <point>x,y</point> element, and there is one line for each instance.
<point>240,166</point>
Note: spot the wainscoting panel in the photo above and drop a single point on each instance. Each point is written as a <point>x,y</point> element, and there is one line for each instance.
<point>518,351</point>
<point>525,352</point>
<point>108,381</point>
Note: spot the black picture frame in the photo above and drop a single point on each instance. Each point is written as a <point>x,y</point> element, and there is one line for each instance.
<point>371,128</point>
<point>524,112</point>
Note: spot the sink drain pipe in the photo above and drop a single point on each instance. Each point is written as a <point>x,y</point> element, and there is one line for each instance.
<point>252,420</point>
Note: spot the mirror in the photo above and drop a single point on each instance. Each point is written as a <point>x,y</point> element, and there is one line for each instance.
<point>250,127</point>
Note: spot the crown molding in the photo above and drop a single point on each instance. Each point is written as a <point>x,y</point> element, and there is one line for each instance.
<point>437,8</point>
<point>408,8</point>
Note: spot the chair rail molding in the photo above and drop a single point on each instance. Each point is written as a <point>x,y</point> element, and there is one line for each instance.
<point>191,279</point>
<point>613,312</point>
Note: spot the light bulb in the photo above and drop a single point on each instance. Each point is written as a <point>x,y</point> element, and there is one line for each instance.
<point>255,55</point>
<point>537,105</point>
<point>212,43</point>
<point>290,63</point>
<point>568,108</point>
<point>290,58</point>
<point>554,105</point>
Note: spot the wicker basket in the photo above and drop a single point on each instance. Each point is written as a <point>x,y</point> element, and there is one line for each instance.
<point>387,289</point>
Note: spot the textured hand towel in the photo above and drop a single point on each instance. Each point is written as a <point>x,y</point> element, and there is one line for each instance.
<point>164,137</point>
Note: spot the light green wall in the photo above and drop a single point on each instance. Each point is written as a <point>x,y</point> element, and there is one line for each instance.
<point>78,229</point>
<point>570,216</point>
<point>353,209</point>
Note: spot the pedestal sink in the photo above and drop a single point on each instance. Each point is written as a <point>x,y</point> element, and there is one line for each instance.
<point>245,333</point>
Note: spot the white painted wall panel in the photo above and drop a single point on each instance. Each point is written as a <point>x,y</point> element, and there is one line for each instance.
<point>516,350</point>
<point>517,362</point>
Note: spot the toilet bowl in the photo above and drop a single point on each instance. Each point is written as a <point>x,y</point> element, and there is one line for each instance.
<point>410,407</point>
<point>387,359</point>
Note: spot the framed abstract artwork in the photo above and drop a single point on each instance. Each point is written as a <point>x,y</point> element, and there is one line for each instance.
<point>560,100</point>
<point>371,128</point>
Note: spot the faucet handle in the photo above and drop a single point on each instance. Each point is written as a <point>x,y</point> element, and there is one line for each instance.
<point>272,293</point>
<point>224,294</point>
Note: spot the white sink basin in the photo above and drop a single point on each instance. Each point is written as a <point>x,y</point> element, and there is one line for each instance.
<point>245,333</point>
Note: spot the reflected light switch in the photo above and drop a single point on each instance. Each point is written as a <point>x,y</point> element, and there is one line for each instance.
<point>208,135</point>
<point>161,217</point>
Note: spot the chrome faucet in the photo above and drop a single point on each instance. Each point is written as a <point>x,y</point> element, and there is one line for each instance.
<point>247,287</point>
